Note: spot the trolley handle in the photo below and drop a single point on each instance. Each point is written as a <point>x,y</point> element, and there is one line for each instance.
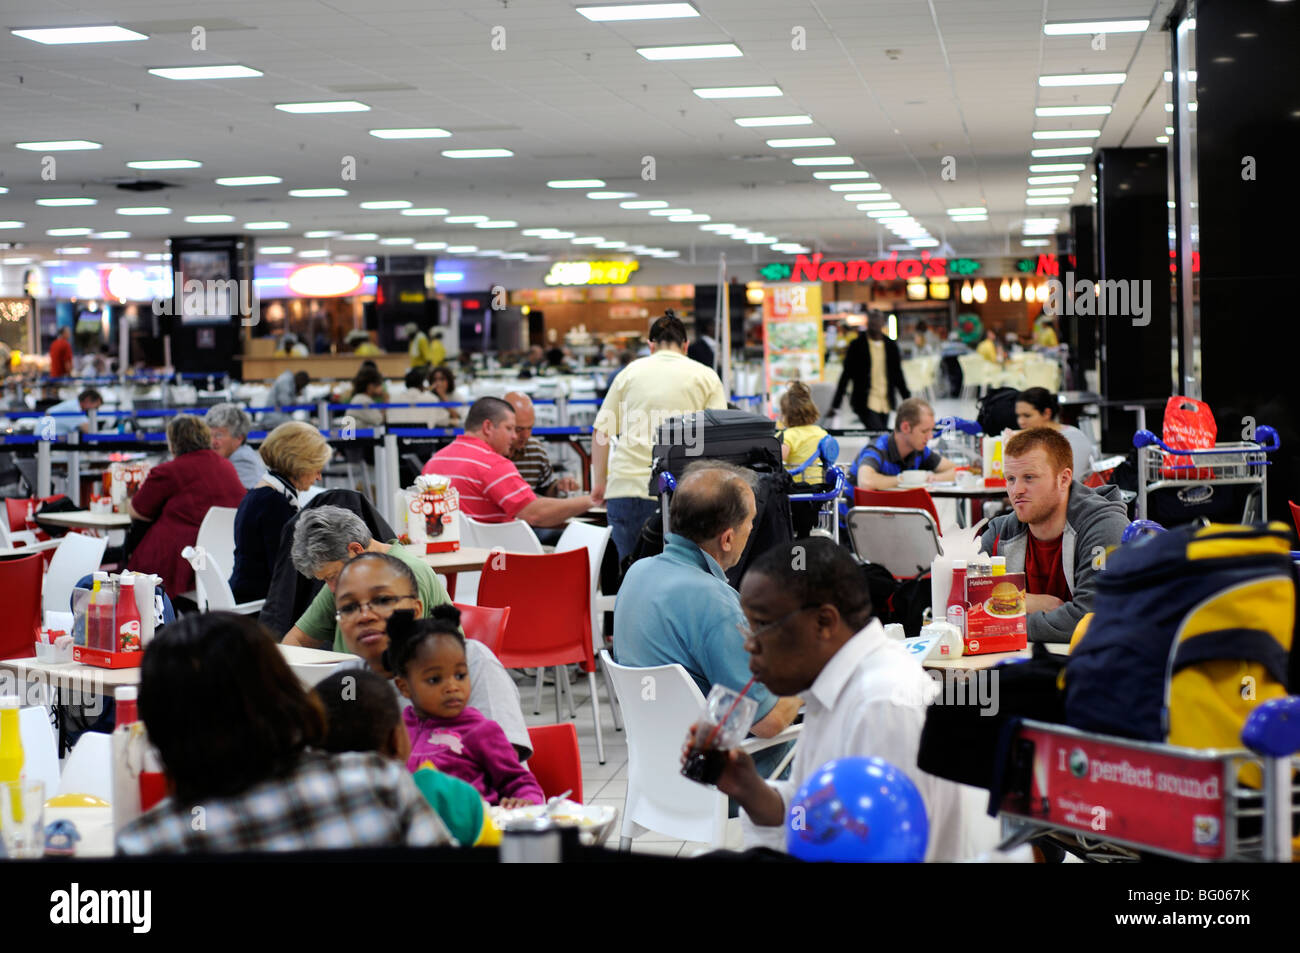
<point>841,485</point>
<point>1265,436</point>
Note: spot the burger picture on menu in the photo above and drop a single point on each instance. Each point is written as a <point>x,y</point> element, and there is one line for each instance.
<point>1006,600</point>
<point>995,614</point>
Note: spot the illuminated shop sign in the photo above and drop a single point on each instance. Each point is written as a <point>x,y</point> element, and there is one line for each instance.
<point>1050,266</point>
<point>893,268</point>
<point>590,272</point>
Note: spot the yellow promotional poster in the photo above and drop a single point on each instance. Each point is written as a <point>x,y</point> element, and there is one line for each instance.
<point>792,334</point>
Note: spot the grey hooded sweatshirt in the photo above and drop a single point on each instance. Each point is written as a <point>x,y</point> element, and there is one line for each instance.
<point>1094,522</point>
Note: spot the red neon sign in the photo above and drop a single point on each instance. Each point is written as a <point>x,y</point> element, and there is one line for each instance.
<point>886,269</point>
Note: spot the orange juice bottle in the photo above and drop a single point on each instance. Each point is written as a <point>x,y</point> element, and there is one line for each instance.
<point>11,750</point>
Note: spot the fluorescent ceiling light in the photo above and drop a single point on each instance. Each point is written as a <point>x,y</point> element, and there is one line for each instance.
<point>1066,133</point>
<point>157,256</point>
<point>1052,179</point>
<point>466,219</point>
<point>110,235</point>
<point>145,210</point>
<point>689,218</point>
<point>423,212</point>
<point>1169,76</point>
<point>925,242</point>
<point>75,250</point>
<point>757,122</point>
<point>397,241</point>
<point>801,143</point>
<point>239,180</point>
<point>664,212</point>
<point>1083,79</point>
<point>477,153</point>
<point>970,218</point>
<point>855,174</point>
<point>1162,139</point>
<point>339,106</point>
<point>514,255</point>
<point>276,250</point>
<point>1063,151</point>
<point>430,246</point>
<point>265,226</point>
<point>230,71</point>
<point>611,244</point>
<point>1072,111</point>
<point>1035,242</point>
<point>971,210</point>
<point>58,203</point>
<point>317,193</point>
<point>855,186</point>
<point>1041,222</point>
<point>695,51</point>
<point>164,164</point>
<point>59,145</point>
<point>80,34</point>
<point>576,184</point>
<point>737,92</point>
<point>644,203</point>
<point>448,275</point>
<point>868,197</point>
<point>208,219</point>
<point>490,253</point>
<point>611,195</point>
<point>461,249</point>
<point>1059,167</point>
<point>1062,190</point>
<point>314,253</point>
<point>359,237</point>
<point>320,234</point>
<point>67,232</point>
<point>824,160</point>
<point>556,236</point>
<point>503,223</point>
<point>428,133</point>
<point>1093,27</point>
<point>588,240</point>
<point>638,11</point>
<point>395,203</point>
<point>667,254</point>
<point>538,232</point>
<point>124,254</point>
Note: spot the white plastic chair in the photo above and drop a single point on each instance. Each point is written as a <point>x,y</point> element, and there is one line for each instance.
<point>40,747</point>
<point>77,556</point>
<point>903,540</point>
<point>515,536</point>
<point>658,797</point>
<point>215,586</point>
<point>89,767</point>
<point>595,538</point>
<point>216,538</point>
<point>15,538</point>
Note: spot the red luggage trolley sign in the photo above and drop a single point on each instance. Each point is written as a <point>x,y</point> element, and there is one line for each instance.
<point>1128,792</point>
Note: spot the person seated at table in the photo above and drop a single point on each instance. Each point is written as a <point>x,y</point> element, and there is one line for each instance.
<point>88,400</point>
<point>801,436</point>
<point>442,389</point>
<point>991,348</point>
<point>810,632</point>
<point>907,448</point>
<point>284,393</point>
<point>294,454</point>
<point>238,737</point>
<point>363,714</point>
<point>230,425</point>
<point>1056,531</point>
<point>529,455</point>
<point>175,497</point>
<point>428,660</point>
<point>367,388</point>
<point>491,489</point>
<point>1039,407</point>
<point>325,539</point>
<point>677,607</point>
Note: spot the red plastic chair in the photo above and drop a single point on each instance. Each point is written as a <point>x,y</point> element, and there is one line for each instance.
<point>1295,515</point>
<point>556,760</point>
<point>16,511</point>
<point>550,621</point>
<point>484,624</point>
<point>21,580</point>
<point>912,498</point>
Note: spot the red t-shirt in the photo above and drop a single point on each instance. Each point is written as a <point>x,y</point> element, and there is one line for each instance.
<point>491,489</point>
<point>1044,572</point>
<point>60,358</point>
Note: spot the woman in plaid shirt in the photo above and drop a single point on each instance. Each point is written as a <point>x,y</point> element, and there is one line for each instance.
<point>237,736</point>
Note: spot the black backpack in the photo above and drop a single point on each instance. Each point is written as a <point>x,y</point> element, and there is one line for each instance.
<point>897,600</point>
<point>997,410</point>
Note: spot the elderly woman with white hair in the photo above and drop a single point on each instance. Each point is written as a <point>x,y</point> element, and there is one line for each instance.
<point>230,425</point>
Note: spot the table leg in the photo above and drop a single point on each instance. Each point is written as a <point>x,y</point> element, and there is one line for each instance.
<point>451,586</point>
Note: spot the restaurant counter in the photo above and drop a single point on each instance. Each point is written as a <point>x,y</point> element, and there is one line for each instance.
<point>322,366</point>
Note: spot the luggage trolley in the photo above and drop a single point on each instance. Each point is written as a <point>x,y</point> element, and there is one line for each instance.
<point>1108,798</point>
<point>828,515</point>
<point>1225,464</point>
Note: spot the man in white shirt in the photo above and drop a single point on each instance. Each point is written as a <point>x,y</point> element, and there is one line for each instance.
<point>812,634</point>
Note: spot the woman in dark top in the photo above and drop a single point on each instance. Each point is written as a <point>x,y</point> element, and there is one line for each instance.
<point>294,454</point>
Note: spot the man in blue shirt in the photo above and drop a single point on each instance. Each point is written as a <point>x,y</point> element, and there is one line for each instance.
<point>84,402</point>
<point>881,461</point>
<point>678,607</point>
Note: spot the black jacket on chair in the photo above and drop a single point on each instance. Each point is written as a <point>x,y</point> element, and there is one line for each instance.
<point>858,371</point>
<point>290,593</point>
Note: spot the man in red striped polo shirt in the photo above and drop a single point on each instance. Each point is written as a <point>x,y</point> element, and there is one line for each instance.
<point>491,489</point>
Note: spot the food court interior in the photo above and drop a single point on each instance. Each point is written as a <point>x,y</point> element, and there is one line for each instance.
<point>311,238</point>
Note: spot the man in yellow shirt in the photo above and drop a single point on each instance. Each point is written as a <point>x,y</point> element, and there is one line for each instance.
<point>437,350</point>
<point>420,353</point>
<point>1045,334</point>
<point>646,393</point>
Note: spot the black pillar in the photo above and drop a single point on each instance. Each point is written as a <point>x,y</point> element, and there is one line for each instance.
<point>1248,137</point>
<point>1133,250</point>
<point>1081,333</point>
<point>206,321</point>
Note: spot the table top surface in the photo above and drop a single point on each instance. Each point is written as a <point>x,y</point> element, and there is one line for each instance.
<point>86,518</point>
<point>976,662</point>
<point>952,489</point>
<point>465,559</point>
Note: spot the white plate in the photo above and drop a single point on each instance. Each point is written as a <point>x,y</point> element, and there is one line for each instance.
<point>595,822</point>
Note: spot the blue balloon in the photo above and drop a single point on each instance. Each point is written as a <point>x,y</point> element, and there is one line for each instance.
<point>858,810</point>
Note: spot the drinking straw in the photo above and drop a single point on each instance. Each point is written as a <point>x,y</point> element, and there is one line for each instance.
<point>708,742</point>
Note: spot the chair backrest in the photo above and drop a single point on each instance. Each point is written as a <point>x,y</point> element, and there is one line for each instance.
<point>208,572</point>
<point>513,537</point>
<point>556,760</point>
<point>21,578</point>
<point>903,541</point>
<point>40,747</point>
<point>550,599</point>
<point>910,498</point>
<point>89,767</point>
<point>217,538</point>
<point>595,539</point>
<point>16,513</point>
<point>484,624</point>
<point>658,797</point>
<point>77,555</point>
<point>1295,515</point>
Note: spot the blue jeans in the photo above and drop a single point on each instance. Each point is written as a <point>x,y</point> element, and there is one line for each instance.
<point>627,514</point>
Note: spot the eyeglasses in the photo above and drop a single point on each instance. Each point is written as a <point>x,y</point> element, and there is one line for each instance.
<point>381,605</point>
<point>749,632</point>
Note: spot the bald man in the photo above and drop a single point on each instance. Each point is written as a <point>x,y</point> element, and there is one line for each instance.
<point>529,456</point>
